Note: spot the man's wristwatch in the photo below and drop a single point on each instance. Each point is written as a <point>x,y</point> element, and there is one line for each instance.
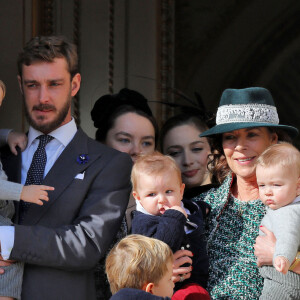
<point>295,262</point>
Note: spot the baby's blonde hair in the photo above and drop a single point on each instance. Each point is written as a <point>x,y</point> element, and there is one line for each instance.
<point>154,164</point>
<point>3,87</point>
<point>282,154</point>
<point>135,261</point>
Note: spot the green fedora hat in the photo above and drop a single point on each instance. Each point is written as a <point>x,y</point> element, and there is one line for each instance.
<point>246,108</point>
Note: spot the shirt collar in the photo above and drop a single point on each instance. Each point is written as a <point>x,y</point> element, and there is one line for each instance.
<point>297,199</point>
<point>64,134</point>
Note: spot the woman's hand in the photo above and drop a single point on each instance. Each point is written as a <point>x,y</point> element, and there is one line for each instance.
<point>182,257</point>
<point>264,247</point>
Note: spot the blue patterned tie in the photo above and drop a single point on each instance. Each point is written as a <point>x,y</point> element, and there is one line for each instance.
<point>35,173</point>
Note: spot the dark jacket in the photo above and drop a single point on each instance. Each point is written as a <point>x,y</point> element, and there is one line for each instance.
<point>170,228</point>
<point>134,294</point>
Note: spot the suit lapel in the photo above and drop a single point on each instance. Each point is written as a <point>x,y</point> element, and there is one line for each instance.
<point>62,174</point>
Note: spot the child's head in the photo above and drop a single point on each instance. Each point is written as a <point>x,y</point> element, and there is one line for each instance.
<point>141,263</point>
<point>278,175</point>
<point>157,183</point>
<point>2,91</point>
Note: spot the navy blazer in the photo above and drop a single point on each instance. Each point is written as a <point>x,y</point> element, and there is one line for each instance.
<point>134,294</point>
<point>170,228</point>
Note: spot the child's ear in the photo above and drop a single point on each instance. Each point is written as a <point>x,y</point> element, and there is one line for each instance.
<point>182,189</point>
<point>136,195</point>
<point>149,287</point>
<point>298,187</point>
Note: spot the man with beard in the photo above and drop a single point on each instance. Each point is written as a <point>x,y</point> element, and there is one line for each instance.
<point>61,241</point>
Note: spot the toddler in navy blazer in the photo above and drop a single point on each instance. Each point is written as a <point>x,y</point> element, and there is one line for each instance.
<point>161,214</point>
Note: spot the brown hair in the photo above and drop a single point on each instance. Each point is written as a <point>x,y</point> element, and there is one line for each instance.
<point>153,164</point>
<point>217,161</point>
<point>47,48</point>
<point>179,120</point>
<point>3,87</point>
<point>283,154</point>
<point>137,260</point>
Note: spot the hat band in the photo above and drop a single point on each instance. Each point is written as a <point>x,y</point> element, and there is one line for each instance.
<point>256,113</point>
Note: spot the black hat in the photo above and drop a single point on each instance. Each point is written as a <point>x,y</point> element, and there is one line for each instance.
<point>106,105</point>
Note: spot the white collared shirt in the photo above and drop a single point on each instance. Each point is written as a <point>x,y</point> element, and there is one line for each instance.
<point>62,137</point>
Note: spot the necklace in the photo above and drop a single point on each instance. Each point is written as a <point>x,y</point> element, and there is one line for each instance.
<point>242,208</point>
<point>242,204</point>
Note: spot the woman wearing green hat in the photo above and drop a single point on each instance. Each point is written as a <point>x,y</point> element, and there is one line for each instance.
<point>247,123</point>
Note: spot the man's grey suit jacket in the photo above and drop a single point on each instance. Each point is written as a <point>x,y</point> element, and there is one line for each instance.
<point>61,241</point>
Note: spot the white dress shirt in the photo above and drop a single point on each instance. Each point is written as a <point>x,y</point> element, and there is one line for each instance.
<point>62,137</point>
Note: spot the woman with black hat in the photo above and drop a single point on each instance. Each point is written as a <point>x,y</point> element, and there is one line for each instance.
<point>124,121</point>
<point>247,124</point>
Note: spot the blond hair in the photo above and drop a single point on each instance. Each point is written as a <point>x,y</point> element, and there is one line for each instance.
<point>154,164</point>
<point>135,261</point>
<point>282,154</point>
<point>3,87</point>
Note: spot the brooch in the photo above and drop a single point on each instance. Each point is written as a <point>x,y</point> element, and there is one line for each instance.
<point>82,159</point>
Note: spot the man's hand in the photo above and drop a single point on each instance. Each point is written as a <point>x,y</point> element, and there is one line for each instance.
<point>264,247</point>
<point>182,257</point>
<point>15,139</point>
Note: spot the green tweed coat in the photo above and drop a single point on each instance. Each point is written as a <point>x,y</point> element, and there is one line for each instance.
<point>232,228</point>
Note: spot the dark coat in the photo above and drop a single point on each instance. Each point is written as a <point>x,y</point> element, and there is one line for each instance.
<point>170,228</point>
<point>134,294</point>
